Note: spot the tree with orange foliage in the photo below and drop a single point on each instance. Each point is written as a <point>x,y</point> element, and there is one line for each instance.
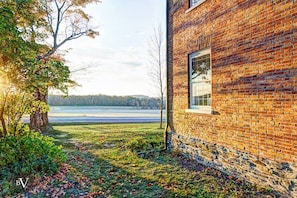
<point>66,20</point>
<point>27,65</point>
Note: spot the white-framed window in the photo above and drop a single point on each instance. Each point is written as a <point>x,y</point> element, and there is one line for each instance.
<point>195,2</point>
<point>200,80</point>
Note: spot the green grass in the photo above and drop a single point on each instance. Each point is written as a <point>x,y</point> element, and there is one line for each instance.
<point>103,161</point>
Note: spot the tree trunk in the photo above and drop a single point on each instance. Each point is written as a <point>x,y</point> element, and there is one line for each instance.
<point>161,112</point>
<point>38,120</point>
<point>4,130</point>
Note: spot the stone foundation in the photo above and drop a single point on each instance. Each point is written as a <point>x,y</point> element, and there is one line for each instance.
<point>262,172</point>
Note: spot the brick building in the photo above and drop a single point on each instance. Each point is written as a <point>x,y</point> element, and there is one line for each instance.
<point>232,87</point>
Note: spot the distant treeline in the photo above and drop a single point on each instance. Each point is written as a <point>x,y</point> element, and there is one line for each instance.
<point>142,102</point>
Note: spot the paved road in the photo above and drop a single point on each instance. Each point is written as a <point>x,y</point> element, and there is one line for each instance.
<point>83,119</point>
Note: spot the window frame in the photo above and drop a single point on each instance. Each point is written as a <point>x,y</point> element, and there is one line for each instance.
<point>199,108</point>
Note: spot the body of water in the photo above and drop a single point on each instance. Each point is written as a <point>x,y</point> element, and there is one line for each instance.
<point>109,114</point>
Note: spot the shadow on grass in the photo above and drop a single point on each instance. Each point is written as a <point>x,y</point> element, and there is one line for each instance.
<point>211,178</point>
<point>102,177</point>
<point>113,170</point>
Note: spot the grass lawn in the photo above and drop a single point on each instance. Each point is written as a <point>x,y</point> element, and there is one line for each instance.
<point>102,161</point>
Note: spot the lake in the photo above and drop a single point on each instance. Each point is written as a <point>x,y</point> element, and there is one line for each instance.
<point>106,114</point>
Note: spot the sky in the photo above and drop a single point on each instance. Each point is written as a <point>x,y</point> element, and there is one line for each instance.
<point>117,61</point>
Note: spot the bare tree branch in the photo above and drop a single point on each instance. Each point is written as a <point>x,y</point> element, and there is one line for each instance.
<point>66,9</point>
<point>156,67</point>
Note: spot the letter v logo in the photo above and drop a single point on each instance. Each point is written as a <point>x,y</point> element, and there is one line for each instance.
<point>22,182</point>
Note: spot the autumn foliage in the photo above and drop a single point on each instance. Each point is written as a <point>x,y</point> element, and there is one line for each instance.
<point>28,64</point>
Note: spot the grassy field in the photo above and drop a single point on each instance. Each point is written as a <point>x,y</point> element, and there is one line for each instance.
<point>103,161</point>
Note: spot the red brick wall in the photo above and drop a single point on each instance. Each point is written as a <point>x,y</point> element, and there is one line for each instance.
<point>254,75</point>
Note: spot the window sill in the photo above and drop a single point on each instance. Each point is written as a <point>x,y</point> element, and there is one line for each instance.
<point>195,6</point>
<point>200,110</point>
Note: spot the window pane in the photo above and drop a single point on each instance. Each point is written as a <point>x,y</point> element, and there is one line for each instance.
<point>193,2</point>
<point>201,68</point>
<point>201,93</point>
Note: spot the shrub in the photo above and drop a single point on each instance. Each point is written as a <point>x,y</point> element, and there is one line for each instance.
<point>29,154</point>
<point>145,144</point>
